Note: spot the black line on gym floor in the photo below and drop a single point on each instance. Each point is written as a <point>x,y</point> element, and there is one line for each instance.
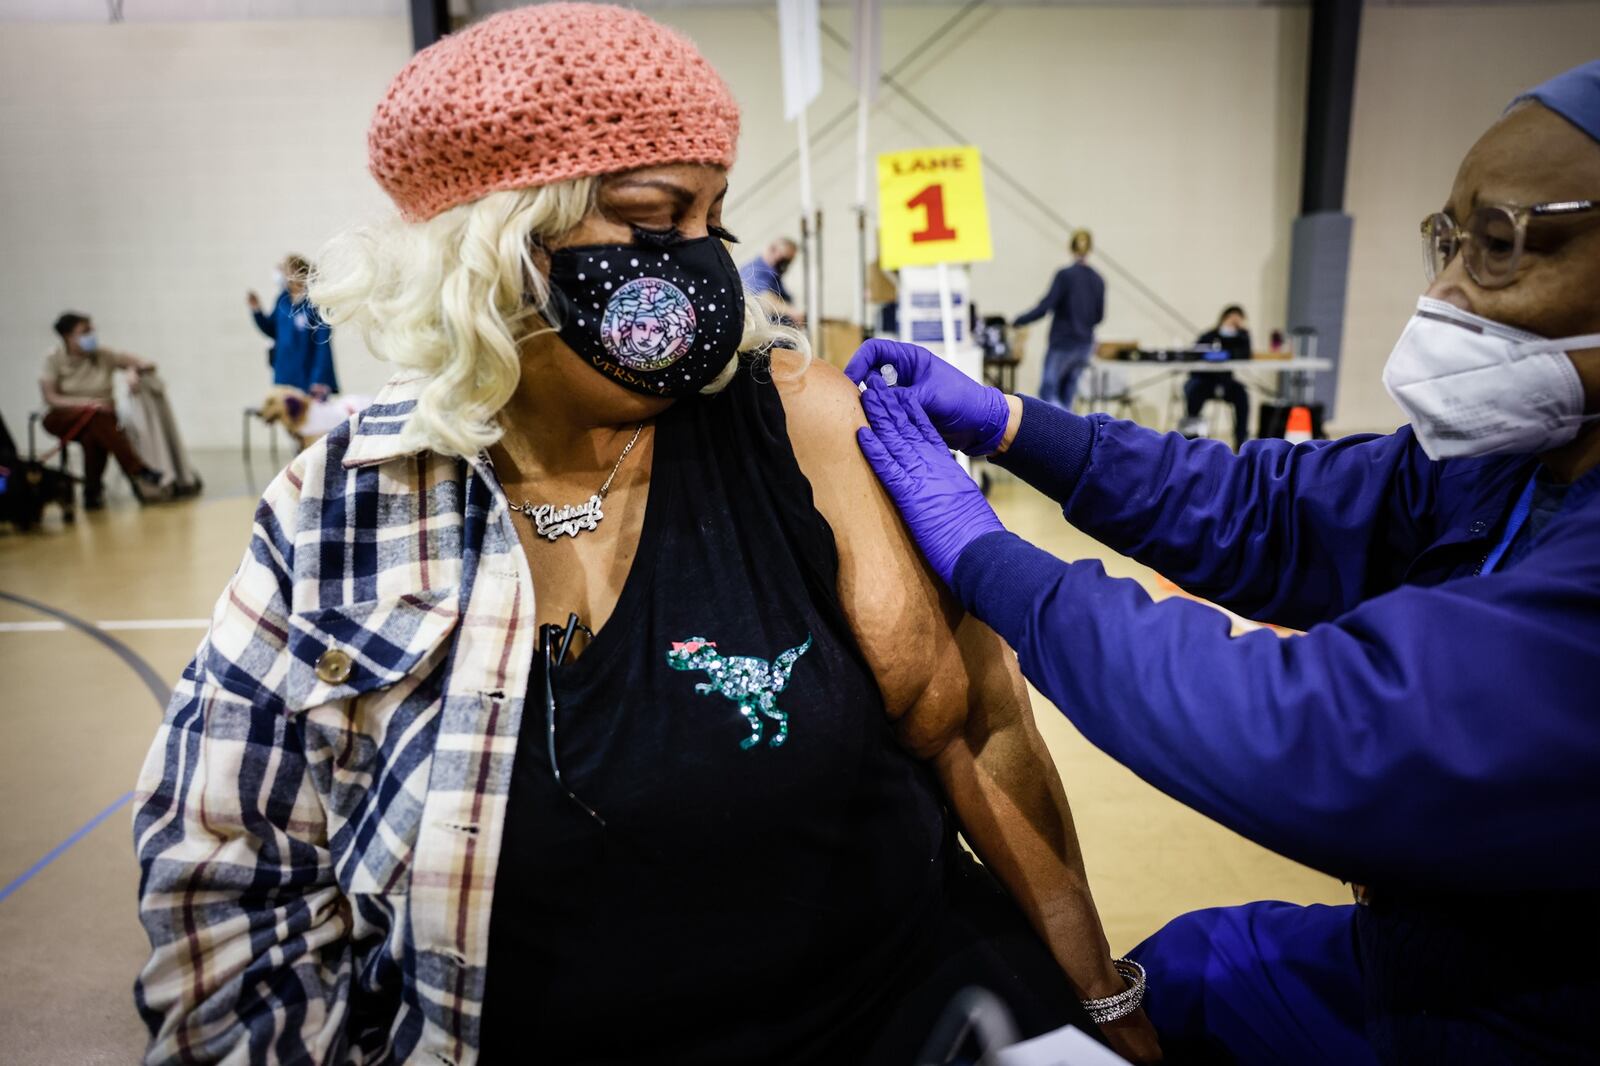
<point>137,664</point>
<point>152,680</point>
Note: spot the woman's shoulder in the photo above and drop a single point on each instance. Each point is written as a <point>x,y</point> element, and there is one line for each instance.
<point>821,405</point>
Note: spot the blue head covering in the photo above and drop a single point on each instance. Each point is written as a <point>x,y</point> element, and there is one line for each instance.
<point>1574,95</point>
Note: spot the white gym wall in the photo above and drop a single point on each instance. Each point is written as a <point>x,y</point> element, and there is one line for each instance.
<point>153,171</point>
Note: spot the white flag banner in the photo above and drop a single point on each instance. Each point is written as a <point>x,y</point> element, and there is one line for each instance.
<point>868,50</point>
<point>800,46</point>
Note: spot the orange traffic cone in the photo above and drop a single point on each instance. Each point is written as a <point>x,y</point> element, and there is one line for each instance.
<point>1298,431</point>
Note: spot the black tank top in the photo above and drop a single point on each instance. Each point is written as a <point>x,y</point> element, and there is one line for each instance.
<point>776,881</point>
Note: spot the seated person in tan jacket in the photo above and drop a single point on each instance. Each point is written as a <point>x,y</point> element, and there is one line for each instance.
<point>76,383</point>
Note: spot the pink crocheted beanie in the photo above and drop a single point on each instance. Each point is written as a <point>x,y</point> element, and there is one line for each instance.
<point>542,94</point>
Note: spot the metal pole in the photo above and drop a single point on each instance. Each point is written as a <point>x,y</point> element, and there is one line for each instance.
<point>863,282</point>
<point>862,110</point>
<point>816,315</point>
<point>866,53</point>
<point>947,312</point>
<point>808,230</point>
<point>805,277</point>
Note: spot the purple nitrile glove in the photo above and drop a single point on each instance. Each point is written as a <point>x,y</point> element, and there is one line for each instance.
<point>941,504</point>
<point>970,417</point>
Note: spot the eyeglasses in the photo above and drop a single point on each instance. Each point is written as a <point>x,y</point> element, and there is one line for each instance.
<point>554,640</point>
<point>1491,240</point>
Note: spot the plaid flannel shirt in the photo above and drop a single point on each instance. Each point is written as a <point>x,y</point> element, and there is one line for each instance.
<point>318,858</point>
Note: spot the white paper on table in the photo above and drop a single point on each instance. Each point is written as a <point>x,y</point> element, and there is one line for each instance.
<point>1066,1046</point>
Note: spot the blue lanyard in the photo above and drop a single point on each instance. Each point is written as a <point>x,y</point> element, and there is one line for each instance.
<point>1514,524</point>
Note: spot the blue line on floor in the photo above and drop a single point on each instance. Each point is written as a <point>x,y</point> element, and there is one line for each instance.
<point>137,664</point>
<point>55,853</point>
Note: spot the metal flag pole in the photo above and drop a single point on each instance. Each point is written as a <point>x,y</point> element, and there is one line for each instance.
<point>947,312</point>
<point>800,46</point>
<point>866,72</point>
<point>862,283</point>
<point>815,314</point>
<point>862,108</point>
<point>808,234</point>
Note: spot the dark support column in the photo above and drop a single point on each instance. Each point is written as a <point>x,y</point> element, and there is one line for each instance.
<point>1330,91</point>
<point>430,20</point>
<point>1320,257</point>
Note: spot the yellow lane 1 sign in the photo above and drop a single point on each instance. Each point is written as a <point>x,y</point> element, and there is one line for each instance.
<point>931,208</point>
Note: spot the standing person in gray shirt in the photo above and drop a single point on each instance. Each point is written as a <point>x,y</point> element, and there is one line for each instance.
<point>1077,300</point>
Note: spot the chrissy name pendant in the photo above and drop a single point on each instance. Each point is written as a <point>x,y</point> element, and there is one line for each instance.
<point>551,522</point>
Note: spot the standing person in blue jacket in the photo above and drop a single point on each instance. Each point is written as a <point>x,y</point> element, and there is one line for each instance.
<point>1077,302</point>
<point>1434,736</point>
<point>302,344</point>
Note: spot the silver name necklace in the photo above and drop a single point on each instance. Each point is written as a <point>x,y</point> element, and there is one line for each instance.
<point>550,521</point>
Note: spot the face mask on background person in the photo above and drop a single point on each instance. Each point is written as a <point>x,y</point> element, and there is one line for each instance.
<point>781,267</point>
<point>88,342</point>
<point>1471,386</point>
<point>1228,331</point>
<point>278,280</point>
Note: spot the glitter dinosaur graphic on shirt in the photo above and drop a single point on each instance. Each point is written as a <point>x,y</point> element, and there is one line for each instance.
<point>751,683</point>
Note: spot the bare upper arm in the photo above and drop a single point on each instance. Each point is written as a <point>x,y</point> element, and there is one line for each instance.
<point>931,660</point>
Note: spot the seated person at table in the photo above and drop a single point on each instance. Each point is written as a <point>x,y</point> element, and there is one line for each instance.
<point>1231,336</point>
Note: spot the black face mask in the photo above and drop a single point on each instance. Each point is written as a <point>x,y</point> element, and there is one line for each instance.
<point>661,316</point>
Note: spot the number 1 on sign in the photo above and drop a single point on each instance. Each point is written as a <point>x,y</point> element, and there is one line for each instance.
<point>931,200</point>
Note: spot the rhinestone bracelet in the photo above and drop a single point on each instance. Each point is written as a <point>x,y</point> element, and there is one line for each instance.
<point>1124,1003</point>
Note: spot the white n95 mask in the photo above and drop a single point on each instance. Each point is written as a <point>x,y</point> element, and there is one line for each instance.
<point>1471,386</point>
